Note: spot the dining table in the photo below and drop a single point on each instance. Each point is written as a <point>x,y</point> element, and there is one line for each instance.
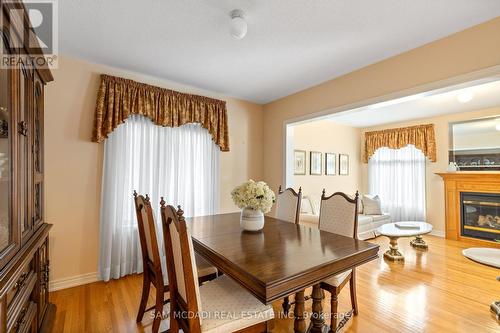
<point>280,260</point>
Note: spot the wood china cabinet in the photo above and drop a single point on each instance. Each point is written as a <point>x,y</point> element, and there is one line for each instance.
<point>24,244</point>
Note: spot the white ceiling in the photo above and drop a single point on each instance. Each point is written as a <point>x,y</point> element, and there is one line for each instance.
<point>291,44</point>
<point>430,104</point>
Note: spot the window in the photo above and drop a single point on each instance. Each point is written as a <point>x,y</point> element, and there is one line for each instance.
<point>179,163</point>
<point>397,176</point>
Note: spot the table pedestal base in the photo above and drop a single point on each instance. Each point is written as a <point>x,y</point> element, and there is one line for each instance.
<point>393,253</point>
<point>418,242</point>
<point>317,320</point>
<point>317,324</point>
<point>326,329</point>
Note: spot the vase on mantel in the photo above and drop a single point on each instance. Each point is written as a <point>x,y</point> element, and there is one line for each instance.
<point>251,219</point>
<point>452,167</point>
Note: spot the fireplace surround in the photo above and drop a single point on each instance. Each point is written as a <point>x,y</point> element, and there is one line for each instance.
<point>472,206</point>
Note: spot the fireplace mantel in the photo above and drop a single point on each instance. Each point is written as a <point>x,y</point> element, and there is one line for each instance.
<point>463,181</point>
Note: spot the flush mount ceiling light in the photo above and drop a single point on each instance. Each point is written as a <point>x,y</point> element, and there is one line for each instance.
<point>465,97</point>
<point>239,26</point>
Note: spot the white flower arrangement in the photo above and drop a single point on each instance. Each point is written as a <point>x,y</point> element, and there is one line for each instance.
<point>255,195</point>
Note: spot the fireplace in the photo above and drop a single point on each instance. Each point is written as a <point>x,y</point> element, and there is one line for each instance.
<point>480,215</point>
<point>482,189</point>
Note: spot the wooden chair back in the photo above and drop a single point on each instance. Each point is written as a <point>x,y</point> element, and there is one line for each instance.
<point>148,239</point>
<point>339,214</point>
<point>185,301</point>
<point>288,205</point>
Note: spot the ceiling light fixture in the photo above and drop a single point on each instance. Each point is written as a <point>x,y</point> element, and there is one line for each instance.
<point>465,97</point>
<point>239,26</point>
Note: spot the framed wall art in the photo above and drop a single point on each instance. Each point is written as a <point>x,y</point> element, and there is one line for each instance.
<point>299,162</point>
<point>316,163</point>
<point>343,164</point>
<point>330,164</point>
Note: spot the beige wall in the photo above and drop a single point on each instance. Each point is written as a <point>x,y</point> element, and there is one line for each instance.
<point>434,183</point>
<point>328,137</point>
<point>73,164</point>
<point>467,51</point>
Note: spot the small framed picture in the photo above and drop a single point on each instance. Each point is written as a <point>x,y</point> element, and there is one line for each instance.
<point>330,164</point>
<point>343,164</point>
<point>299,162</point>
<point>316,163</point>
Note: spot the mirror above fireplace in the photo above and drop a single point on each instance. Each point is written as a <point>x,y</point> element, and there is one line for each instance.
<point>475,144</point>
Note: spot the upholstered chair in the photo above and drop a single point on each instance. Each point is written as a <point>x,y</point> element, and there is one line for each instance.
<point>195,308</point>
<point>288,209</point>
<point>288,205</point>
<point>155,272</point>
<point>338,214</point>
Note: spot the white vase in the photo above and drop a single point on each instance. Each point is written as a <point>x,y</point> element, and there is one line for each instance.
<point>251,219</point>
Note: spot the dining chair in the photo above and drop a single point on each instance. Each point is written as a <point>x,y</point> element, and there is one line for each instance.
<point>288,209</point>
<point>155,272</point>
<point>338,214</point>
<point>196,309</point>
<point>288,205</point>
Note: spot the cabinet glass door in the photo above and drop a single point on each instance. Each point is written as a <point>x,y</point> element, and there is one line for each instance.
<point>6,225</point>
<point>5,160</point>
<point>37,138</point>
<point>24,151</point>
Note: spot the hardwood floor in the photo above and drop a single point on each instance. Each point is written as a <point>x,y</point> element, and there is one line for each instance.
<point>432,291</point>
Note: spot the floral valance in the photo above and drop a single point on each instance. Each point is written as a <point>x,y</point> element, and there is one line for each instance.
<point>119,98</point>
<point>421,136</point>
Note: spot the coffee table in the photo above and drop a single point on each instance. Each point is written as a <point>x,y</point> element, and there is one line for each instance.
<point>394,232</point>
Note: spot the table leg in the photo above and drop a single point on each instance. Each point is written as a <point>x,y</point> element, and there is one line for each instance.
<point>418,242</point>
<point>393,253</point>
<point>317,319</point>
<point>299,325</point>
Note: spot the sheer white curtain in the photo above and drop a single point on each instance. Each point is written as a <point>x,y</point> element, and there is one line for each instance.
<point>181,164</point>
<point>398,177</point>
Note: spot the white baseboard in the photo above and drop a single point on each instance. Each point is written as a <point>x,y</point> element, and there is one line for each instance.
<point>438,233</point>
<point>73,281</point>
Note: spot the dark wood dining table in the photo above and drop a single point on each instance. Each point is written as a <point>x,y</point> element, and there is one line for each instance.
<point>282,259</point>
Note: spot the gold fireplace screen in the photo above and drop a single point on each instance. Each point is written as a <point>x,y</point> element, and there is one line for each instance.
<point>486,222</point>
<point>482,229</point>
